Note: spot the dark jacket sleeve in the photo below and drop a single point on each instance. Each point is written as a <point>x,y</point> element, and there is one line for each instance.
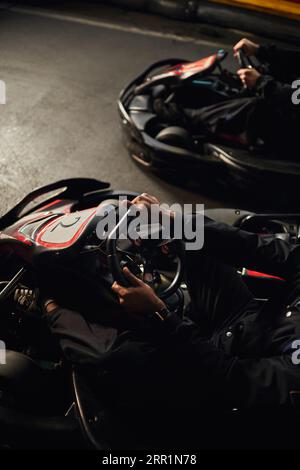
<point>276,87</point>
<point>278,99</point>
<point>265,381</point>
<point>284,63</point>
<point>239,248</point>
<point>233,382</point>
<point>269,255</point>
<point>269,88</point>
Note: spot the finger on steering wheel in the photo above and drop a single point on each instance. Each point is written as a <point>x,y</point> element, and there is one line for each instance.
<point>145,198</point>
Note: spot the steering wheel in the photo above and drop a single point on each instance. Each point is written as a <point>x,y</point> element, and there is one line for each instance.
<point>245,62</point>
<point>158,263</point>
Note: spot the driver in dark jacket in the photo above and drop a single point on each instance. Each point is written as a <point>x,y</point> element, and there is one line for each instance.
<point>228,350</point>
<point>268,115</point>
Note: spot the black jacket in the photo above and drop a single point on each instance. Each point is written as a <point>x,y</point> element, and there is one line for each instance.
<point>275,117</point>
<point>276,89</point>
<point>252,366</point>
<point>284,64</point>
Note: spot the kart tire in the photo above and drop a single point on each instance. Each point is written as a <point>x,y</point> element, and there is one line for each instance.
<point>180,9</point>
<point>134,4</point>
<point>226,16</point>
<point>175,136</point>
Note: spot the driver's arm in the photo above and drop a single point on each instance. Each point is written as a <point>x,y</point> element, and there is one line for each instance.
<point>278,97</point>
<point>81,342</point>
<point>208,370</point>
<point>276,86</point>
<point>239,248</point>
<point>284,63</point>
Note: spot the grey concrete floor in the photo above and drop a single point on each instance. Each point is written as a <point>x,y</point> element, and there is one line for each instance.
<point>63,79</point>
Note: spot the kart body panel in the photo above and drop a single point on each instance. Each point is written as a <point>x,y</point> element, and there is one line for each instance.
<point>58,223</point>
<point>176,74</point>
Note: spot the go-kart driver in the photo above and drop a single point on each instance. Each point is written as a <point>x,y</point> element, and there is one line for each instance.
<point>228,349</point>
<point>267,115</point>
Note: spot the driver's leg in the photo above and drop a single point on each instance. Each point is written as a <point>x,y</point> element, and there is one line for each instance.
<point>82,341</point>
<point>226,117</point>
<point>218,293</point>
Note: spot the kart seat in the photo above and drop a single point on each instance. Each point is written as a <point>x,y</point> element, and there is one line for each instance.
<point>27,407</point>
<point>23,378</point>
<point>16,366</point>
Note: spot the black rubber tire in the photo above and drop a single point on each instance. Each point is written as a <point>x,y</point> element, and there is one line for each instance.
<point>261,24</point>
<point>141,5</point>
<point>180,9</point>
<point>175,136</point>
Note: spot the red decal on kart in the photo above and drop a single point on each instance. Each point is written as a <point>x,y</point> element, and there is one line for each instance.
<point>262,275</point>
<point>187,70</point>
<point>199,66</point>
<point>65,209</point>
<point>23,239</point>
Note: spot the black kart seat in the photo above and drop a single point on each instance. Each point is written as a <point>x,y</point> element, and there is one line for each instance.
<point>140,103</point>
<point>141,119</point>
<point>28,419</point>
<point>20,371</point>
<point>25,381</point>
<point>177,136</point>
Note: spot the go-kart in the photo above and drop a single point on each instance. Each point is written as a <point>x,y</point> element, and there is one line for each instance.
<point>201,161</point>
<point>51,236</point>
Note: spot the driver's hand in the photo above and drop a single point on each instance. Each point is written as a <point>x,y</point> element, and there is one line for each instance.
<point>249,77</point>
<point>148,201</point>
<point>249,47</point>
<point>50,306</point>
<point>138,300</point>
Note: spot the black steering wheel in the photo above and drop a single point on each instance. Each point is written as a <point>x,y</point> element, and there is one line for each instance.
<point>244,60</point>
<point>159,263</point>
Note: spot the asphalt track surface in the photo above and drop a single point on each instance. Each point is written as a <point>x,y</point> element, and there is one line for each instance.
<point>63,76</point>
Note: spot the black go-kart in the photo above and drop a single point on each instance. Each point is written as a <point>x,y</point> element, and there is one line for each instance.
<point>46,402</point>
<point>201,161</point>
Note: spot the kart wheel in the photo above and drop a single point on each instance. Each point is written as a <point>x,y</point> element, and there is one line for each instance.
<point>136,4</point>
<point>180,9</point>
<point>176,136</point>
